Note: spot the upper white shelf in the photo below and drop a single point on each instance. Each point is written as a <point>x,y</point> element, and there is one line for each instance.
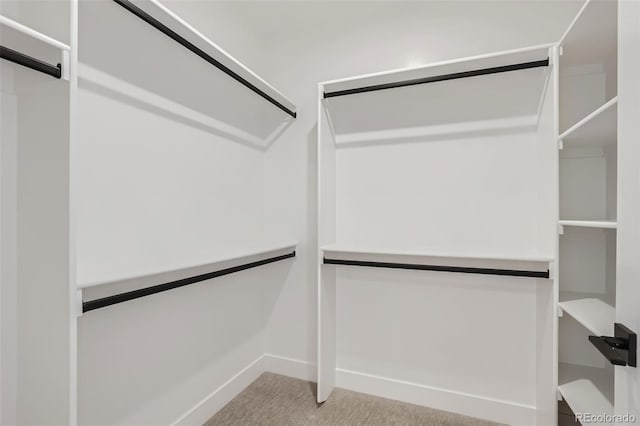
<point>476,95</point>
<point>594,314</point>
<point>10,23</point>
<point>592,36</point>
<point>586,389</point>
<point>603,224</point>
<point>598,129</point>
<point>154,13</point>
<point>432,257</point>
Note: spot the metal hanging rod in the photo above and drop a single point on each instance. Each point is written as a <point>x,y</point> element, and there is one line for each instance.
<point>204,55</point>
<point>30,62</point>
<point>90,305</point>
<point>440,268</point>
<point>435,78</point>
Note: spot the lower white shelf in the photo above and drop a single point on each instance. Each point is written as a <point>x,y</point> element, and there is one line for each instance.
<point>594,314</point>
<point>586,389</point>
<point>497,264</point>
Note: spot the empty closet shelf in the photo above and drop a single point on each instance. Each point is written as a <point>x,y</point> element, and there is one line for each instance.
<point>174,27</point>
<point>525,266</point>
<point>102,294</point>
<point>598,129</point>
<point>604,224</point>
<point>586,389</point>
<point>594,314</point>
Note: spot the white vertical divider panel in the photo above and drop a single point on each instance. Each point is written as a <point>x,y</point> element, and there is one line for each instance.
<point>547,295</point>
<point>627,380</point>
<point>326,235</point>
<point>75,296</point>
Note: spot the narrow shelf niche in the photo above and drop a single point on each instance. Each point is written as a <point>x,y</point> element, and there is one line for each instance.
<point>586,389</point>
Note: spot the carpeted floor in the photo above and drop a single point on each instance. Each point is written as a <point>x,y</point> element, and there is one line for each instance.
<point>274,400</point>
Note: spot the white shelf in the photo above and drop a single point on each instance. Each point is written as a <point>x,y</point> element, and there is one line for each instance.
<point>10,23</point>
<point>592,36</point>
<point>586,389</point>
<point>180,271</point>
<point>594,314</point>
<point>184,29</point>
<point>603,224</point>
<point>433,257</point>
<point>441,108</point>
<point>598,129</point>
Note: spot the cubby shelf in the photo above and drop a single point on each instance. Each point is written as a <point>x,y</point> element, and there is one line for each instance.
<point>586,389</point>
<point>598,129</point>
<point>603,224</point>
<point>594,314</point>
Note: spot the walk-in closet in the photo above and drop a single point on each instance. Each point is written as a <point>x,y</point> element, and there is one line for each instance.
<point>295,212</point>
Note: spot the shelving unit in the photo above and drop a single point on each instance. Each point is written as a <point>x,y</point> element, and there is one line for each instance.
<point>587,141</point>
<point>403,184</point>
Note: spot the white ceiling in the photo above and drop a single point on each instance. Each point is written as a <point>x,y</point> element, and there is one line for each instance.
<point>270,20</point>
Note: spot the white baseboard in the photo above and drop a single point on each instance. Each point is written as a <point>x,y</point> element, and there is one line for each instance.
<point>290,367</point>
<point>217,399</point>
<point>441,399</point>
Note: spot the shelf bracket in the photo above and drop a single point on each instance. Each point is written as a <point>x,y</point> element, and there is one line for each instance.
<point>560,312</point>
<point>621,349</point>
<point>560,229</point>
<point>561,50</point>
<point>560,144</point>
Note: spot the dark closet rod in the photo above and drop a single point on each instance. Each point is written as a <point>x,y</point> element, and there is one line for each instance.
<point>30,62</point>
<point>90,305</point>
<point>204,55</point>
<point>443,77</point>
<point>440,268</point>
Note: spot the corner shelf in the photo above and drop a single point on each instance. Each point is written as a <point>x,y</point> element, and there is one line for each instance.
<point>598,129</point>
<point>593,314</point>
<point>602,224</point>
<point>586,389</point>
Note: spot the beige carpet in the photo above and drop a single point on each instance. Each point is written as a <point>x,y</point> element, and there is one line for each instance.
<point>274,400</point>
